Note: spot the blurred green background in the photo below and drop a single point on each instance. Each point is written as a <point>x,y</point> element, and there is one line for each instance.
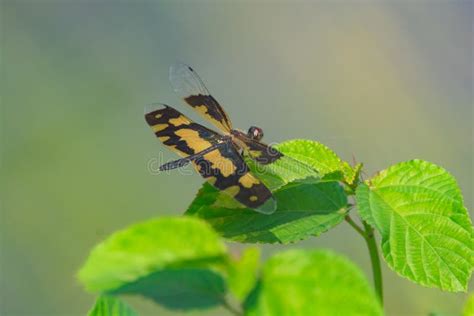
<point>385,82</point>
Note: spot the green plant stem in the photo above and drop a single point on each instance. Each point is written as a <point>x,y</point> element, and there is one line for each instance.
<point>355,226</point>
<point>375,260</point>
<point>368,234</point>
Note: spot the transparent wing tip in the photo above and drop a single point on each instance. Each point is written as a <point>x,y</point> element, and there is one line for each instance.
<point>179,68</point>
<point>184,80</point>
<point>267,208</point>
<point>152,107</point>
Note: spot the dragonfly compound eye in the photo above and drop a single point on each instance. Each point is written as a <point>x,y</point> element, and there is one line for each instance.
<point>255,133</point>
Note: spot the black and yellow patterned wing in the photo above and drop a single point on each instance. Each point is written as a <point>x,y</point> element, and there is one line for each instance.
<point>260,152</point>
<point>223,167</point>
<point>226,170</point>
<point>188,85</point>
<point>178,132</point>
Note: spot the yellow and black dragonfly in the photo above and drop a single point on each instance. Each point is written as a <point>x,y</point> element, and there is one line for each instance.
<point>217,157</point>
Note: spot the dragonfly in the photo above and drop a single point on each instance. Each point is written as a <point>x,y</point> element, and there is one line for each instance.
<point>217,156</point>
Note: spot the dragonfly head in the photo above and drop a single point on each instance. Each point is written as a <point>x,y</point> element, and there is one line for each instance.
<point>255,133</point>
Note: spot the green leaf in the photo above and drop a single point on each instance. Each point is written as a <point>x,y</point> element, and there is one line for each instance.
<point>111,306</point>
<point>299,282</point>
<point>427,235</point>
<point>469,306</point>
<point>312,153</point>
<point>319,157</point>
<point>352,173</point>
<point>302,159</point>
<point>170,260</point>
<point>304,208</point>
<point>306,205</point>
<point>281,172</point>
<point>242,272</point>
<point>180,288</point>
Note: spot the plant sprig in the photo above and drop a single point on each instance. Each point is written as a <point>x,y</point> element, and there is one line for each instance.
<point>181,263</point>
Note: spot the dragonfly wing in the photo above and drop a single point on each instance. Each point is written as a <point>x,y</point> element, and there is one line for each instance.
<point>214,157</point>
<point>226,170</point>
<point>260,152</point>
<point>188,85</point>
<point>178,132</point>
